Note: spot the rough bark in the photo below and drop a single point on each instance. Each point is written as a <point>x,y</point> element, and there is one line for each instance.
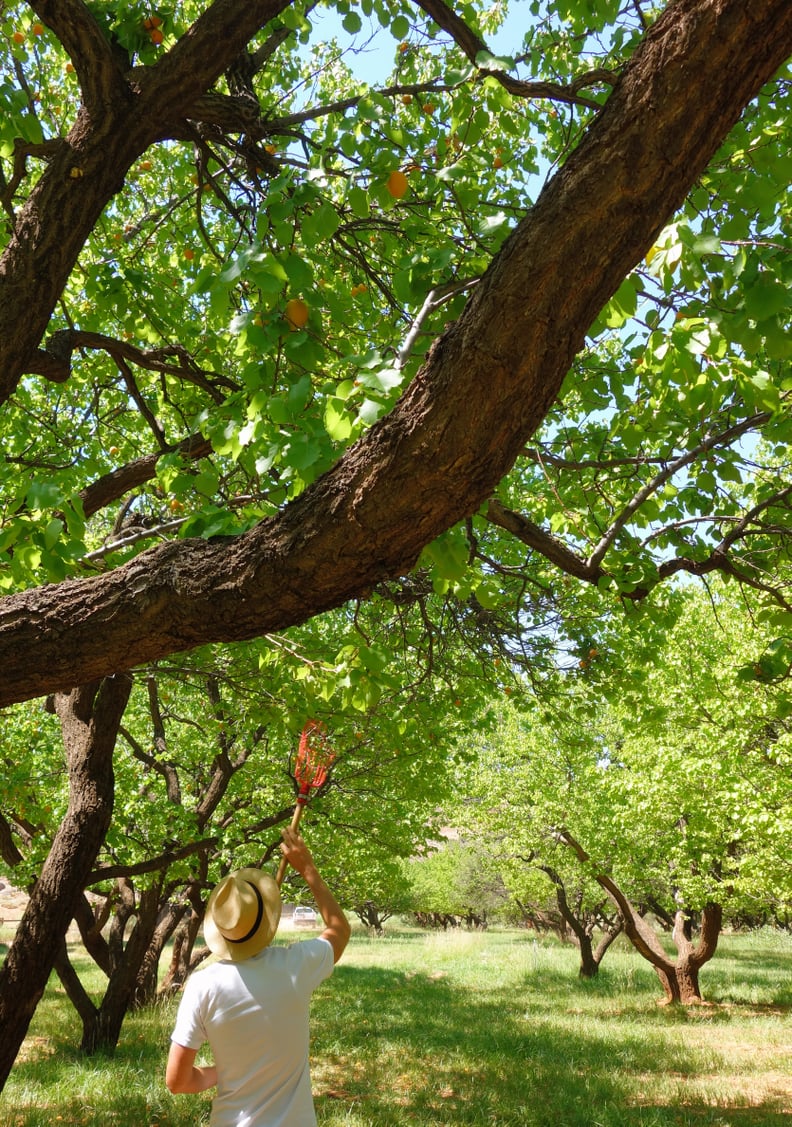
<point>89,718</point>
<point>693,956</point>
<point>8,848</point>
<point>485,387</point>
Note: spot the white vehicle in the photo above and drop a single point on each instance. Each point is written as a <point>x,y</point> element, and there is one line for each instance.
<point>304,917</point>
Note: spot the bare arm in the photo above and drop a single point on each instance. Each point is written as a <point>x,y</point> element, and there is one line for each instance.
<point>182,1075</point>
<point>298,855</point>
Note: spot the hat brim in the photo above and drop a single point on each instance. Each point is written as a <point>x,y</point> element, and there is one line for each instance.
<point>271,899</point>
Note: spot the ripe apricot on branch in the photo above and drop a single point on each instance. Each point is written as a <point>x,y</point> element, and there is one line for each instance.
<point>397,184</point>
<point>296,313</point>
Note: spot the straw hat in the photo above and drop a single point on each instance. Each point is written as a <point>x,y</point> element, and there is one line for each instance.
<point>242,914</point>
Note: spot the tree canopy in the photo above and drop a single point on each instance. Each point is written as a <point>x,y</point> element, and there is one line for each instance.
<point>401,375</point>
<point>664,781</point>
<point>298,327</point>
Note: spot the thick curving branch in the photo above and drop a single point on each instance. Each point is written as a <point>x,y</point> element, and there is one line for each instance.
<point>473,46</point>
<point>486,384</point>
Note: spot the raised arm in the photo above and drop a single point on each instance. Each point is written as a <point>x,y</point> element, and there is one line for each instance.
<point>337,929</point>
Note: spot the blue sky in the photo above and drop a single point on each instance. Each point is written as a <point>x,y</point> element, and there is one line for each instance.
<point>375,63</point>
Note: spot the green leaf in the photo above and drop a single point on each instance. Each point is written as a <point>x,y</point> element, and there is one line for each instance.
<point>52,533</point>
<point>449,555</point>
<point>622,306</point>
<point>400,27</point>
<point>766,297</point>
<point>352,23</point>
<point>320,225</point>
<point>706,244</point>
<point>359,202</point>
<point>337,420</point>
<point>42,495</point>
<point>487,61</point>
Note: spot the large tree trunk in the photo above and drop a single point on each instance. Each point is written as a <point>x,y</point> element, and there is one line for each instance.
<point>485,387</point>
<point>89,718</point>
<point>693,956</point>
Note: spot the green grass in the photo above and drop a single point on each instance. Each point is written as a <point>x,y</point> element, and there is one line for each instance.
<point>471,1029</point>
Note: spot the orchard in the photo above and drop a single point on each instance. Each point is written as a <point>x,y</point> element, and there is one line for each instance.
<point>373,392</point>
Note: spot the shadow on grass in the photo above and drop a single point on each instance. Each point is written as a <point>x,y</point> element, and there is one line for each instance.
<point>393,1048</point>
<point>500,1058</point>
<point>54,1084</point>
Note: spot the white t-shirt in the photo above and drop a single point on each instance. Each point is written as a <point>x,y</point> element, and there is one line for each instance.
<point>254,1014</point>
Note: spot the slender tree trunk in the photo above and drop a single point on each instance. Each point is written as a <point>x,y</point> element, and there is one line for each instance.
<point>606,939</point>
<point>102,1033</point>
<point>90,924</point>
<point>146,985</point>
<point>75,991</point>
<point>589,967</point>
<point>183,961</point>
<point>679,978</point>
<point>582,932</point>
<point>89,718</point>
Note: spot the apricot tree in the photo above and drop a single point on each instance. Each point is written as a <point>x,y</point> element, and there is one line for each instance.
<point>222,334</point>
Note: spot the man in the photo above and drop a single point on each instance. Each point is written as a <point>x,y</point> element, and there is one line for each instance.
<point>252,1005</point>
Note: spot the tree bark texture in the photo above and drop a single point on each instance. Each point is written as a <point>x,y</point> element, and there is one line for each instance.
<point>89,718</point>
<point>486,385</point>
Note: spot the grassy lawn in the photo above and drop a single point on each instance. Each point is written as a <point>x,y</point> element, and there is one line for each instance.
<point>464,1029</point>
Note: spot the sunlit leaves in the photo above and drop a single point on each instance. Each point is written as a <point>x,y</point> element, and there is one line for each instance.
<point>676,782</point>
